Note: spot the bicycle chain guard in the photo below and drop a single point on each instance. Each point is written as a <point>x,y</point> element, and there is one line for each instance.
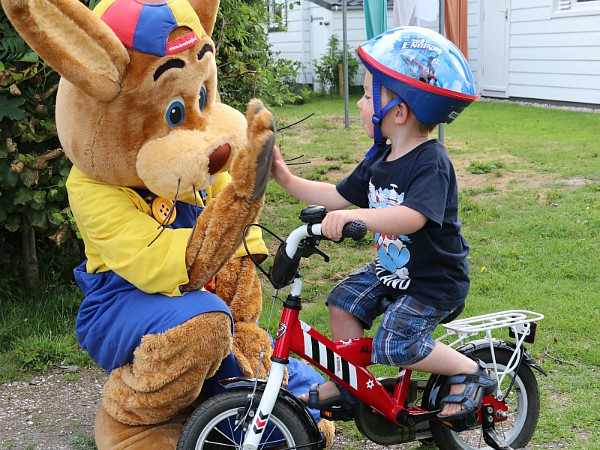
<point>383,432</point>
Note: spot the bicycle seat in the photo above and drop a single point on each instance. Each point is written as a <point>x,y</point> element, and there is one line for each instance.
<point>454,314</point>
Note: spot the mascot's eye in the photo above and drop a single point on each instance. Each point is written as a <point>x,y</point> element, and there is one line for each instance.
<point>175,112</point>
<point>202,98</point>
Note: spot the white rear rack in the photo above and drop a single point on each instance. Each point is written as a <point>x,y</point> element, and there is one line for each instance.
<point>520,322</point>
<point>488,322</point>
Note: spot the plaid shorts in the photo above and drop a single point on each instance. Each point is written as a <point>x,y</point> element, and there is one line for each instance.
<point>404,336</point>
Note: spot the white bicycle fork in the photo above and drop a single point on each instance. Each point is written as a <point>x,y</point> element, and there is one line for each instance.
<point>265,407</point>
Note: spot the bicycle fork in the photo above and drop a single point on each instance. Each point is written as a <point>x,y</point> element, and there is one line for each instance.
<point>265,407</point>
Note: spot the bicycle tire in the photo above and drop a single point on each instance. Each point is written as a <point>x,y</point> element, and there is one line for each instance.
<point>523,413</point>
<point>285,428</point>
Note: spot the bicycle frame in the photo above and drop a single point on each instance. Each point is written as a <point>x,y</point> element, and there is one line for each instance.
<point>346,361</point>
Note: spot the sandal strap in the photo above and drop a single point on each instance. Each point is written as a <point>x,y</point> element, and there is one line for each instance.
<point>476,384</point>
<point>349,399</point>
<point>313,395</point>
<point>467,402</point>
<point>482,377</point>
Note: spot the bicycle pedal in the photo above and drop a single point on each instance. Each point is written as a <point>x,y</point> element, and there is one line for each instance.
<point>337,413</point>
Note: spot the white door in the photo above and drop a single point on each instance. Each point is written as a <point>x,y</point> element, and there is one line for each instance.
<point>320,32</point>
<point>493,74</point>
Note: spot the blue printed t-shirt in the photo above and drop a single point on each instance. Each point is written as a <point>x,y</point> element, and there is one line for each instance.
<point>430,264</point>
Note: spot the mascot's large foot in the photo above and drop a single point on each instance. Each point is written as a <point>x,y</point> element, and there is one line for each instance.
<point>168,371</point>
<point>113,435</point>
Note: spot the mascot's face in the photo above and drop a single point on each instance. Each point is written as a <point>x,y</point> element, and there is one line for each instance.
<point>164,129</point>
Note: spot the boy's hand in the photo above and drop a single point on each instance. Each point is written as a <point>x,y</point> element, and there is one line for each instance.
<point>333,224</point>
<point>279,169</point>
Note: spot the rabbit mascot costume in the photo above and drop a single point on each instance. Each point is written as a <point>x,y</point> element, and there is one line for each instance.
<point>164,180</point>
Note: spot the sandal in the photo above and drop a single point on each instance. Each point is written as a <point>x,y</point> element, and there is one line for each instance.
<point>477,385</point>
<point>344,399</point>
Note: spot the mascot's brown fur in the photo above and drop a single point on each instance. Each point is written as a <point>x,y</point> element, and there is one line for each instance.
<point>110,117</point>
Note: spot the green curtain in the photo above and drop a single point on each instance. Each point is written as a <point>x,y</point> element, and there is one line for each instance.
<point>375,17</point>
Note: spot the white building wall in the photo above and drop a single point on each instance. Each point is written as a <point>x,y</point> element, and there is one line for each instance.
<point>473,37</point>
<point>553,55</point>
<point>295,43</point>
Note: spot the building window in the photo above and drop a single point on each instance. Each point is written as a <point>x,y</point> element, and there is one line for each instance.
<point>576,7</point>
<point>278,15</point>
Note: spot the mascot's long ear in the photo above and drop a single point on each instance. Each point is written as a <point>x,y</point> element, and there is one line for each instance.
<point>207,12</point>
<point>73,41</point>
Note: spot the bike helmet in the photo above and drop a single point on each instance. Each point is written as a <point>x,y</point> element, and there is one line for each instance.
<point>425,70</point>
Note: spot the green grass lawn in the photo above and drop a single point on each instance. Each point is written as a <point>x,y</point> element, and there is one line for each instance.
<point>529,182</point>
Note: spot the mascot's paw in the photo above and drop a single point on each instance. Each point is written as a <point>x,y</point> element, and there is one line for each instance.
<point>248,342</point>
<point>112,435</point>
<point>251,169</point>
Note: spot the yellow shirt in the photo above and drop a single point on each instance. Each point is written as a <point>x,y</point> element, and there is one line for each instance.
<point>116,225</point>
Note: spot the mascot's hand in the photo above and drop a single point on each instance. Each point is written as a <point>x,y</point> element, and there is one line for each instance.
<point>238,204</point>
<point>248,343</point>
<point>250,171</point>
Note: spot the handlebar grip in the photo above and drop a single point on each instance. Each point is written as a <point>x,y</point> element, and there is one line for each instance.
<point>355,230</point>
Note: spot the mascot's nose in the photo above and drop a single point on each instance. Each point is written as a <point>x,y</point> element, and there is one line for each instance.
<point>219,158</point>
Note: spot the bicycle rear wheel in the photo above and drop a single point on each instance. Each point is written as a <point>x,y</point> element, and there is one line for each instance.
<point>220,423</point>
<point>523,412</point>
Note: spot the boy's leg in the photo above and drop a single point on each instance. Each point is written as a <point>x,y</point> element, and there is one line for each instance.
<point>444,360</point>
<point>353,305</point>
<point>404,339</point>
<point>344,325</point>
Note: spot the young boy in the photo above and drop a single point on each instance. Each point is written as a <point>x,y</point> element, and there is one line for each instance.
<point>407,196</point>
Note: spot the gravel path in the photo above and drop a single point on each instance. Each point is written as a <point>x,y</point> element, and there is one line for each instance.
<point>52,411</point>
<point>56,411</point>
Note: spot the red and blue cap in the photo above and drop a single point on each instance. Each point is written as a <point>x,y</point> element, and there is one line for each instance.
<point>145,25</point>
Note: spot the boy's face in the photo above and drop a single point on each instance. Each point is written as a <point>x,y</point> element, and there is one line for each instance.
<point>365,104</point>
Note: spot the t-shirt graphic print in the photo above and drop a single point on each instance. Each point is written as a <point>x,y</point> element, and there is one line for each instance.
<point>392,251</point>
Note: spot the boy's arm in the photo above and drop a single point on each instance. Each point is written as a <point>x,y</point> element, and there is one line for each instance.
<point>396,220</point>
<point>307,191</point>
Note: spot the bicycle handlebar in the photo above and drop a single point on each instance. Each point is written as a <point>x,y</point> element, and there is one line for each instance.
<point>287,259</point>
<point>355,230</point>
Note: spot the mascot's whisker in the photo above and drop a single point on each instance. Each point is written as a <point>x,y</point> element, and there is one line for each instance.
<point>295,123</point>
<point>198,209</point>
<point>285,127</point>
<point>290,162</point>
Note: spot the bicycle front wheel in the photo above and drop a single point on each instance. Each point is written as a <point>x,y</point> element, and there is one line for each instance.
<point>220,423</point>
<point>522,410</point>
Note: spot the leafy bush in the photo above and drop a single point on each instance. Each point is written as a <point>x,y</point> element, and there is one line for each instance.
<point>327,67</point>
<point>248,67</point>
<point>33,168</point>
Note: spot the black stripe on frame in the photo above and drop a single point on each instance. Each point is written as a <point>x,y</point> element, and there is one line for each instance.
<point>345,371</point>
<point>315,349</point>
<point>330,360</point>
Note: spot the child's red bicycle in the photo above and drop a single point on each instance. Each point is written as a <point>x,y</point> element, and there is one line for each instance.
<point>255,414</point>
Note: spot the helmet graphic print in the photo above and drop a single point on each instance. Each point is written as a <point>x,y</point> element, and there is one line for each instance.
<point>426,71</point>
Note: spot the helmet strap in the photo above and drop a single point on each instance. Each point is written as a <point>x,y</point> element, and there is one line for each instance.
<point>380,142</point>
